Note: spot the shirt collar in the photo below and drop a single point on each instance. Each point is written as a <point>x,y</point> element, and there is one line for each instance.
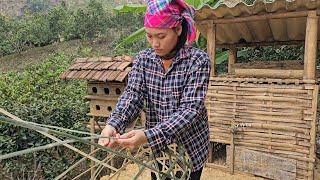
<point>183,53</point>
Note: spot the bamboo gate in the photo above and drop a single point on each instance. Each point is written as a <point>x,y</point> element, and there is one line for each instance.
<point>266,114</point>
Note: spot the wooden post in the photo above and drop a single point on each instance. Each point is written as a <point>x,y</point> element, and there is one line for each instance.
<point>232,150</point>
<point>210,158</point>
<point>92,131</point>
<point>211,43</point>
<point>310,50</point>
<point>313,131</point>
<point>233,131</point>
<point>232,59</point>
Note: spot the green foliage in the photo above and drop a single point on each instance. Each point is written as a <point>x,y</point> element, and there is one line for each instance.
<point>131,8</point>
<point>132,37</point>
<point>5,26</point>
<point>63,24</point>
<point>39,95</point>
<point>38,5</point>
<point>92,20</point>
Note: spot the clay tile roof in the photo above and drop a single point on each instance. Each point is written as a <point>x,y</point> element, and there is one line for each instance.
<point>99,69</point>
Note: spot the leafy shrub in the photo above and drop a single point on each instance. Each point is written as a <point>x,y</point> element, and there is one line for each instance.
<point>39,95</point>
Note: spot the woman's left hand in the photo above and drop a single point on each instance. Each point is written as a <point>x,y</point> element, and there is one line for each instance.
<point>132,139</point>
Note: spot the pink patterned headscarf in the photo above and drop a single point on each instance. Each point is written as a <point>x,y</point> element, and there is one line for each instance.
<point>169,14</point>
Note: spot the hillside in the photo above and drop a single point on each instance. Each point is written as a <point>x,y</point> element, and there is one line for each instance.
<point>17,7</point>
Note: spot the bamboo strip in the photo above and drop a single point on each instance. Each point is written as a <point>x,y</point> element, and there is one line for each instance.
<point>251,93</point>
<point>227,125</point>
<point>293,147</point>
<point>272,144</point>
<point>299,136</point>
<point>263,139</point>
<point>214,121</point>
<point>271,73</point>
<point>224,120</point>
<point>268,113</point>
<point>266,146</point>
<point>277,127</point>
<point>275,136</point>
<point>254,84</point>
<point>247,116</point>
<point>245,105</point>
<point>262,98</point>
<point>300,141</point>
<point>215,100</point>
<point>258,89</point>
<point>254,79</point>
<point>240,108</point>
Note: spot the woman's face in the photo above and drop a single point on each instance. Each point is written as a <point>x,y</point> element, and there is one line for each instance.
<point>163,40</point>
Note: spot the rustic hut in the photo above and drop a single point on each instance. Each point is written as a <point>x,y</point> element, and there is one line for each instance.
<point>264,114</point>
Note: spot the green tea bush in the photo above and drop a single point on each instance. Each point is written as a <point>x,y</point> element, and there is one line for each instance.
<point>39,95</point>
<point>62,24</point>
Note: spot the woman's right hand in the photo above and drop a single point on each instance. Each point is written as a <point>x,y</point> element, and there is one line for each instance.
<point>109,131</point>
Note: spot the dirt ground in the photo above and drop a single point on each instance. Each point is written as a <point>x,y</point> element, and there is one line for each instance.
<point>207,174</point>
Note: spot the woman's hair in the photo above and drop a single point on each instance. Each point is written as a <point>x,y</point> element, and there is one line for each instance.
<point>183,36</point>
<point>182,39</point>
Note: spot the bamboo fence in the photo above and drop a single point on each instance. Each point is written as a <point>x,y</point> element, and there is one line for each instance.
<point>275,117</point>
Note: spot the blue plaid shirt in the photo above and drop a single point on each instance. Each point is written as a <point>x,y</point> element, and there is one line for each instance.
<point>175,110</point>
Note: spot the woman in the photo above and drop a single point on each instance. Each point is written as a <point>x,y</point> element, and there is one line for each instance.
<point>172,78</point>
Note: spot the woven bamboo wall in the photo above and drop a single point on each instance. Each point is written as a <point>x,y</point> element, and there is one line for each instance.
<point>279,116</point>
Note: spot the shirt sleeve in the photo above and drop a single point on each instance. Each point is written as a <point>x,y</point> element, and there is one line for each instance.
<point>191,105</point>
<point>131,101</point>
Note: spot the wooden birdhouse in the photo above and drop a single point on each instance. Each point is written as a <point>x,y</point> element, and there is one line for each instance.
<point>107,79</point>
<point>263,115</point>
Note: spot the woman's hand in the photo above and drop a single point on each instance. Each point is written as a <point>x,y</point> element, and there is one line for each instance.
<point>109,131</point>
<point>132,139</point>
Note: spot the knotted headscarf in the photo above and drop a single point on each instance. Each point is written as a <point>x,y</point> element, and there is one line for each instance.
<point>169,14</point>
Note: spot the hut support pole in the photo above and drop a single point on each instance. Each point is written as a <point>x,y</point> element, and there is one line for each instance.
<point>211,42</point>
<point>92,131</point>
<point>313,132</point>
<point>232,59</point>
<point>211,50</point>
<point>310,50</point>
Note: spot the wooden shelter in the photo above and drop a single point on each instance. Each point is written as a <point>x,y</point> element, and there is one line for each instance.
<point>265,113</point>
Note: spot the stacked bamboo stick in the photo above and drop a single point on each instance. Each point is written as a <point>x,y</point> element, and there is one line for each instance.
<point>275,118</point>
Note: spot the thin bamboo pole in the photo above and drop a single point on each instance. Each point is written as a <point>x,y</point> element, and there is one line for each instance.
<point>310,51</point>
<point>92,148</point>
<point>262,43</point>
<point>211,41</point>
